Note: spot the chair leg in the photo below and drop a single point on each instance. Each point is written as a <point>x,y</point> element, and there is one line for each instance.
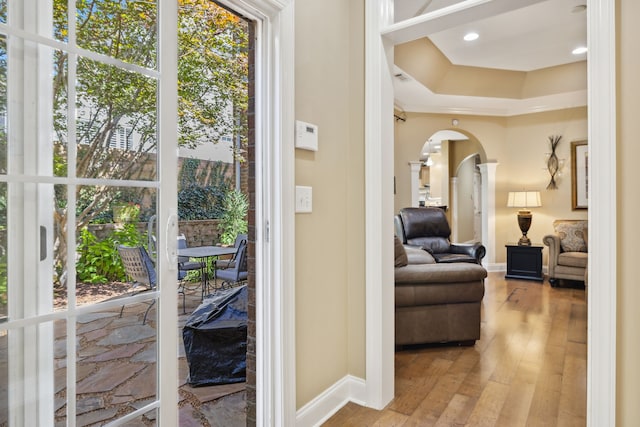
<point>144,320</point>
<point>181,291</point>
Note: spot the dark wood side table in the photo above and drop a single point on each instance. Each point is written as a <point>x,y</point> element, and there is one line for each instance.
<point>524,262</point>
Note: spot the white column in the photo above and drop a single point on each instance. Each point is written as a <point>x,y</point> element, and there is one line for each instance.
<point>442,169</point>
<point>415,183</point>
<point>453,206</point>
<point>477,205</point>
<point>488,172</point>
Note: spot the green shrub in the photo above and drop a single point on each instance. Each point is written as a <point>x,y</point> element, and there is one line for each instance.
<point>200,202</point>
<point>234,217</point>
<point>125,213</point>
<point>202,188</point>
<point>99,261</point>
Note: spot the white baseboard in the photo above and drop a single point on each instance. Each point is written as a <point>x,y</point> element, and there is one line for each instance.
<point>502,266</point>
<point>320,409</point>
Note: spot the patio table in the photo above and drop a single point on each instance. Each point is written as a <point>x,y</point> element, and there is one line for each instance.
<point>202,253</point>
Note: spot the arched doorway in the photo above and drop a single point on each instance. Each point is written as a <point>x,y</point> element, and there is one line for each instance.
<point>452,173</point>
<point>466,201</point>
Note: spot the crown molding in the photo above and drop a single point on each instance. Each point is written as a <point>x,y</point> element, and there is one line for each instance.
<point>419,99</point>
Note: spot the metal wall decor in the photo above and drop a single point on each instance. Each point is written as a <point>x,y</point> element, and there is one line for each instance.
<point>553,164</point>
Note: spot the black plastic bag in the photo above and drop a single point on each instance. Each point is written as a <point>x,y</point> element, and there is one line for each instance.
<point>215,339</point>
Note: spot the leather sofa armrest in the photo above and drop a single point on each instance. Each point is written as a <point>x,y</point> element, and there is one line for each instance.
<point>407,245</point>
<point>475,250</point>
<point>399,228</point>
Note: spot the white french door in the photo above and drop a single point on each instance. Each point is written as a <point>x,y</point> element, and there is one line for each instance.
<point>63,93</point>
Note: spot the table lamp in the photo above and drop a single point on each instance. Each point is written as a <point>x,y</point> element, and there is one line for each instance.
<point>524,200</point>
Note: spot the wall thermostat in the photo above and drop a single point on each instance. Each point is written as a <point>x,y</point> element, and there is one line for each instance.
<point>306,136</point>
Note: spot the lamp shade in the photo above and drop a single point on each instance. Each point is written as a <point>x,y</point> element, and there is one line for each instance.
<point>523,199</point>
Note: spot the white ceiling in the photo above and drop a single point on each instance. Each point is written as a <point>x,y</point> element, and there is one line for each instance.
<point>539,35</point>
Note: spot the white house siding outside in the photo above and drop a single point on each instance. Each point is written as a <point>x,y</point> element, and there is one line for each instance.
<point>126,138</point>
<point>221,151</point>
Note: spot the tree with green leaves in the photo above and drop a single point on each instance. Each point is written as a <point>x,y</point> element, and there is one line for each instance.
<point>117,109</point>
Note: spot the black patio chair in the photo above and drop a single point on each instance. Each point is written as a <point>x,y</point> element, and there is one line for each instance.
<point>185,265</point>
<point>140,269</point>
<point>236,272</point>
<point>229,263</point>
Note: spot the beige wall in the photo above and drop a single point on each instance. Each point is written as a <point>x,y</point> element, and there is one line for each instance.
<point>628,176</point>
<point>518,144</point>
<point>355,196</point>
<point>330,308</point>
<point>329,86</point>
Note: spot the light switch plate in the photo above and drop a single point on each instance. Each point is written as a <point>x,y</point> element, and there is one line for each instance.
<point>304,199</point>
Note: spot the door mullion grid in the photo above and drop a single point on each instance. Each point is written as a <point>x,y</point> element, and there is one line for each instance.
<point>31,345</point>
<point>72,153</point>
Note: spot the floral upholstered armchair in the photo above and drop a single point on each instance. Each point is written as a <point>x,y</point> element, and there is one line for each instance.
<point>568,250</point>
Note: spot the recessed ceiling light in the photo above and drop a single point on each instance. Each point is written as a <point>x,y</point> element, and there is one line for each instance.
<point>579,50</point>
<point>471,36</point>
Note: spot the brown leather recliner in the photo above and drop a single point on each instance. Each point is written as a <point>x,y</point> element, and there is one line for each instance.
<point>436,302</point>
<point>428,229</point>
<point>439,286</point>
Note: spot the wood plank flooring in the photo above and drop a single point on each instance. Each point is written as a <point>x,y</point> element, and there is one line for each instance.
<point>528,369</point>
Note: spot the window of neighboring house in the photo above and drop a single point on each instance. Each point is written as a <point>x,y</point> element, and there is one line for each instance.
<point>122,138</point>
<point>86,131</point>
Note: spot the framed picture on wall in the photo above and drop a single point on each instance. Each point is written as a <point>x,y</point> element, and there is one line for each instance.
<point>579,175</point>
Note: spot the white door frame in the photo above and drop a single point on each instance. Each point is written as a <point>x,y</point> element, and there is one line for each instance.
<point>275,221</point>
<point>601,352</point>
<point>28,212</point>
<point>379,231</point>
<point>601,361</point>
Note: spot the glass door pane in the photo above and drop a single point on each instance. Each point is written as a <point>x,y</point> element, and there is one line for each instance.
<point>79,179</point>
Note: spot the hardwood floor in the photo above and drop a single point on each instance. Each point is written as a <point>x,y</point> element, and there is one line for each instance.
<point>528,369</point>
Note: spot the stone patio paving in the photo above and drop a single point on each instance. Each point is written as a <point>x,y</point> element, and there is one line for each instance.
<point>115,370</point>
